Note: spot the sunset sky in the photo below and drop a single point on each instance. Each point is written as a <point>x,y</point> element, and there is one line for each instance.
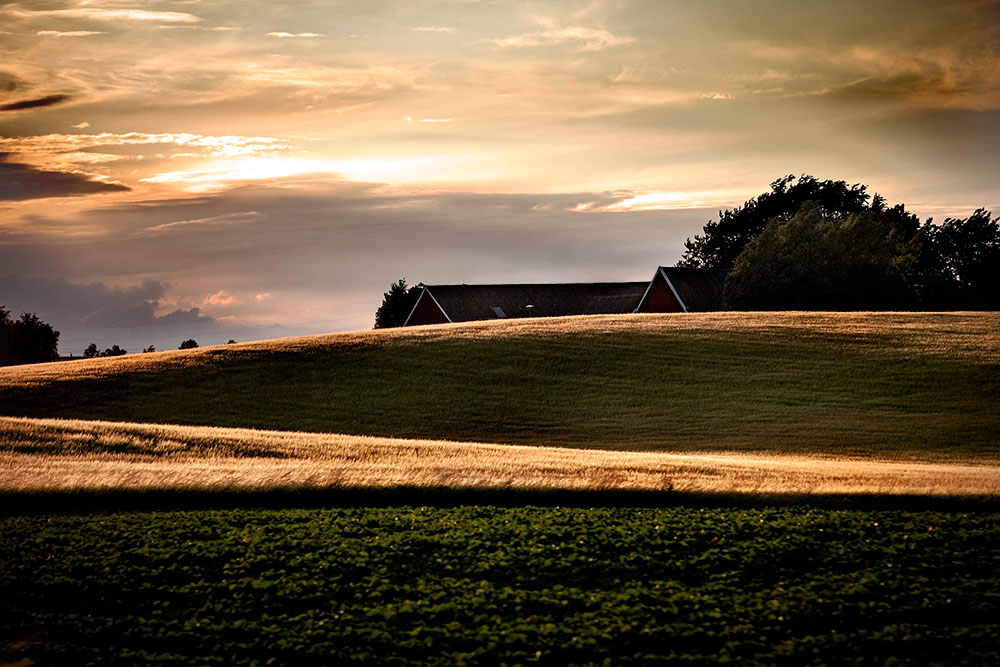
<point>246,169</point>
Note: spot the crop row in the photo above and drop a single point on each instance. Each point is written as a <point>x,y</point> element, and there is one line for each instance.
<point>501,586</point>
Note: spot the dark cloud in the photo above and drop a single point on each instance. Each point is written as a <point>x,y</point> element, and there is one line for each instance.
<point>23,181</point>
<point>9,82</point>
<point>47,101</point>
<point>94,312</point>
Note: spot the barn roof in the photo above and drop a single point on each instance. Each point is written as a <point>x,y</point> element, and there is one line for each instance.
<point>464,303</point>
<point>697,289</point>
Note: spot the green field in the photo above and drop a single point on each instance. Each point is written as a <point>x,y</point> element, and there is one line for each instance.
<point>487,585</point>
<point>886,384</point>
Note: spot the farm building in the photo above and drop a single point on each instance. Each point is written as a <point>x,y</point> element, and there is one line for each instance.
<point>674,289</point>
<point>670,290</point>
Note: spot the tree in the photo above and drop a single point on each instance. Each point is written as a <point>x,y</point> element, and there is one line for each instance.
<point>189,344</point>
<point>151,348</point>
<point>27,340</point>
<point>962,263</point>
<point>723,240</point>
<point>91,351</point>
<point>397,304</point>
<point>818,262</point>
<point>114,351</point>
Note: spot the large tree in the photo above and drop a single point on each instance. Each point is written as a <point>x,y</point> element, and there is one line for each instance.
<point>27,340</point>
<point>724,239</point>
<point>814,261</point>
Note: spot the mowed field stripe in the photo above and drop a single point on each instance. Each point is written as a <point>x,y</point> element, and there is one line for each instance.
<point>38,455</point>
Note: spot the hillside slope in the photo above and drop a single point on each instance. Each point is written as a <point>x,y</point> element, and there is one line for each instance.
<point>894,383</point>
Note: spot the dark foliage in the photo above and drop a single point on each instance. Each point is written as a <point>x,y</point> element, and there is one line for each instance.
<point>189,344</point>
<point>494,585</point>
<point>961,264</point>
<point>724,240</point>
<point>113,351</point>
<point>814,262</point>
<point>28,340</point>
<point>397,304</point>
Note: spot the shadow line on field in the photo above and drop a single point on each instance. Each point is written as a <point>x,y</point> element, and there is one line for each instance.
<point>87,501</point>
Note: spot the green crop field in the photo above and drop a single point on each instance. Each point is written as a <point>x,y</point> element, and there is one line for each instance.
<point>885,384</point>
<point>487,585</point>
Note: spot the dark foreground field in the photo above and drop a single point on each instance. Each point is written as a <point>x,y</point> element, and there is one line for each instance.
<point>490,585</point>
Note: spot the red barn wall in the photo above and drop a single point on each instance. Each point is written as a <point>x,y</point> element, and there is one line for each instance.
<point>660,298</point>
<point>426,312</point>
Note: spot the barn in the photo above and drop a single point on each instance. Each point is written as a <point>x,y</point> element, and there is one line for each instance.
<point>674,289</point>
<point>670,290</point>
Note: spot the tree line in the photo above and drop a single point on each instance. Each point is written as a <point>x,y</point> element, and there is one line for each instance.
<point>29,340</point>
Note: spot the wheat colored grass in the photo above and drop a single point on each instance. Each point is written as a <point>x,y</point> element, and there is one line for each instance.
<point>38,455</point>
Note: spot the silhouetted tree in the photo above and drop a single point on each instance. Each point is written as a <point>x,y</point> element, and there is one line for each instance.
<point>91,351</point>
<point>148,349</point>
<point>27,340</point>
<point>397,304</point>
<point>723,240</point>
<point>818,262</point>
<point>114,351</point>
<point>189,344</point>
<point>961,267</point>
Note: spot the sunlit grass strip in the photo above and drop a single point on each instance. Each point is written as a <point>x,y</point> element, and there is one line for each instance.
<point>61,455</point>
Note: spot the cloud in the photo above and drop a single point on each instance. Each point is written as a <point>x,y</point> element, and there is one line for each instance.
<point>237,218</point>
<point>285,35</point>
<point>220,299</point>
<point>68,33</point>
<point>99,14</point>
<point>47,101</point>
<point>585,39</point>
<point>19,182</point>
<point>433,28</point>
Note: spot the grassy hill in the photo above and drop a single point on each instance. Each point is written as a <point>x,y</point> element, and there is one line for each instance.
<point>895,384</point>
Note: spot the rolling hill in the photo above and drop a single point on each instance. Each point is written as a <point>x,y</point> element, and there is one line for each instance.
<point>890,384</point>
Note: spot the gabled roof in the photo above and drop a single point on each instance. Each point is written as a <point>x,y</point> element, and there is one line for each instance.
<point>696,290</point>
<point>465,303</point>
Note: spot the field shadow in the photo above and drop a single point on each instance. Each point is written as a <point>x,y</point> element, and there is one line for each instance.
<point>83,502</point>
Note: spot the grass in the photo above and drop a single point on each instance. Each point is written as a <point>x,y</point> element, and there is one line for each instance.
<point>43,456</point>
<point>885,384</point>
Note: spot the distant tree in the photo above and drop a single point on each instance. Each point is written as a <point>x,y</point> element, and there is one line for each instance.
<point>148,349</point>
<point>819,262</point>
<point>230,342</point>
<point>91,351</point>
<point>962,262</point>
<point>114,351</point>
<point>27,340</point>
<point>189,344</point>
<point>397,304</point>
<point>723,240</point>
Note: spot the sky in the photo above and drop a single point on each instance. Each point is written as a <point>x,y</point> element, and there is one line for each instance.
<point>242,169</point>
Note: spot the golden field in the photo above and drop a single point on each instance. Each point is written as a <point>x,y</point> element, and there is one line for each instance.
<point>38,455</point>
